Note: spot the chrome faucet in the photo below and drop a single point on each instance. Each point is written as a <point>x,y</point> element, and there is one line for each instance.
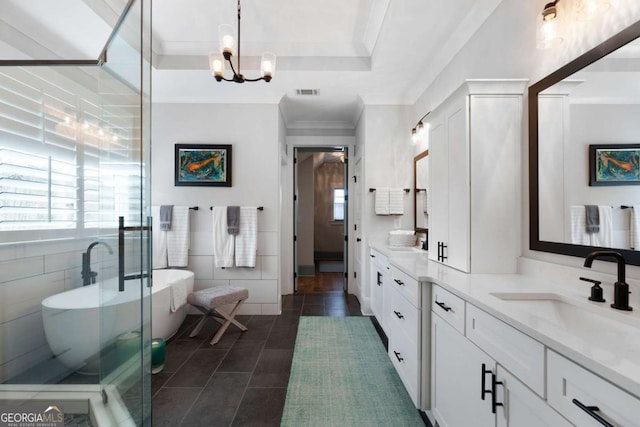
<point>88,276</point>
<point>620,288</point>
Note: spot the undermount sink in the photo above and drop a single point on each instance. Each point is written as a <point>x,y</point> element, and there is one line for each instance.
<point>569,314</point>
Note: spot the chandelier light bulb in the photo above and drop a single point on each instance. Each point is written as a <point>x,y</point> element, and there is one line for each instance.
<point>226,40</point>
<point>216,64</point>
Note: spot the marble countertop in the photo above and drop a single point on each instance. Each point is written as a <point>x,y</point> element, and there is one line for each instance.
<point>603,340</point>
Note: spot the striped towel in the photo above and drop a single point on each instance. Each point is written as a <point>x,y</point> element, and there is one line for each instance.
<point>396,201</point>
<point>634,227</point>
<point>247,237</point>
<point>382,201</point>
<point>159,240</point>
<point>222,241</point>
<point>178,238</point>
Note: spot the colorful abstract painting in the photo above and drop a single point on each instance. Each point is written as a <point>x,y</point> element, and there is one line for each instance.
<point>203,165</point>
<point>614,164</point>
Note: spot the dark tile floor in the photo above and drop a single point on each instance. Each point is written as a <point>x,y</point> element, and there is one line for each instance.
<point>241,381</point>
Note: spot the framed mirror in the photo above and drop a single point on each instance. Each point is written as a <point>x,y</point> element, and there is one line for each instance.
<point>583,162</point>
<point>420,186</point>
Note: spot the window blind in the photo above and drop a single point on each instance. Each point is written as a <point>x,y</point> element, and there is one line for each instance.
<point>65,161</point>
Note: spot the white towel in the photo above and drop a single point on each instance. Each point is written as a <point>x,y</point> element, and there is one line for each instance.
<point>178,238</point>
<point>382,201</point>
<point>634,227</point>
<point>223,242</point>
<point>247,238</point>
<point>396,201</point>
<point>178,294</point>
<point>604,238</point>
<point>159,237</point>
<point>579,236</point>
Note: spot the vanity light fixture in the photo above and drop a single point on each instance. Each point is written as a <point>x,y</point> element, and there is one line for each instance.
<point>419,130</point>
<point>227,49</point>
<point>549,26</point>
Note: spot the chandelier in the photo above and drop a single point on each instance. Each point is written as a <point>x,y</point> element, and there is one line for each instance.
<point>227,51</point>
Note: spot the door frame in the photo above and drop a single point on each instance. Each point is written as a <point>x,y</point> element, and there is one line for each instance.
<point>286,270</point>
<point>345,225</point>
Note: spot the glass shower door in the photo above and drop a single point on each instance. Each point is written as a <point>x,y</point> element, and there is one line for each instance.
<point>125,178</point>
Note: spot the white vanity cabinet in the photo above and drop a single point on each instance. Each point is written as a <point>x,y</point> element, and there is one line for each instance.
<point>473,378</point>
<point>403,327</point>
<point>379,270</point>
<point>474,145</point>
<point>575,392</point>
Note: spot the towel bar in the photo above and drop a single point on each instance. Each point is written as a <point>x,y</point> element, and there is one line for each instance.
<point>406,190</point>
<point>260,208</point>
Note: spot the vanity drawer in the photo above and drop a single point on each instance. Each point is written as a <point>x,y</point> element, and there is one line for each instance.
<point>404,316</point>
<point>404,355</point>
<point>518,353</point>
<point>379,259</point>
<point>570,384</point>
<point>406,285</point>
<point>448,306</point>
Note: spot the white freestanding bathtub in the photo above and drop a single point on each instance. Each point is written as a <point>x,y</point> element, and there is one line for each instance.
<point>81,322</point>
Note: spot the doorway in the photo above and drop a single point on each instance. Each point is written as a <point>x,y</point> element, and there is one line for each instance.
<point>320,219</point>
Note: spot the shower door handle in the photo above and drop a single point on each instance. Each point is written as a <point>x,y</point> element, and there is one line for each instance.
<point>121,247</point>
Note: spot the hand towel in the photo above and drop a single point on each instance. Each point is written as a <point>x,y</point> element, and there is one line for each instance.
<point>178,238</point>
<point>382,201</point>
<point>233,219</point>
<point>592,219</point>
<point>166,213</point>
<point>159,240</point>
<point>396,201</point>
<point>178,295</point>
<point>604,237</point>
<point>634,227</point>
<point>578,222</point>
<point>247,238</point>
<point>223,242</point>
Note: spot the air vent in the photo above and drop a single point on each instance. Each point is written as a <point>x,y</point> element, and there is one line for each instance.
<point>306,91</point>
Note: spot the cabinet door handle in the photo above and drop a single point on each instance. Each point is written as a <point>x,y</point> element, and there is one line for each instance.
<point>439,251</point>
<point>443,248</point>
<point>447,308</point>
<point>358,239</point>
<point>372,256</point>
<point>379,281</point>
<point>399,282</point>
<point>592,411</point>
<point>483,385</point>
<point>398,314</point>
<point>400,359</point>
<point>494,395</point>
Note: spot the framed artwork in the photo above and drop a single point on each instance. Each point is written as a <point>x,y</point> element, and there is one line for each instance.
<point>206,165</point>
<point>614,164</point>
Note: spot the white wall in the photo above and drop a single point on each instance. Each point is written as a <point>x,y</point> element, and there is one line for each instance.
<point>382,136</point>
<point>254,133</point>
<point>492,54</point>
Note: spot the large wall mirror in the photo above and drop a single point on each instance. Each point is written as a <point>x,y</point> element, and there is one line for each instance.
<point>584,145</point>
<point>420,186</point>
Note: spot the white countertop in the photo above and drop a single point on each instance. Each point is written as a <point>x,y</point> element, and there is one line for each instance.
<point>607,341</point>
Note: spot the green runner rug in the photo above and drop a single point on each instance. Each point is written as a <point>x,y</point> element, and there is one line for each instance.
<point>341,376</point>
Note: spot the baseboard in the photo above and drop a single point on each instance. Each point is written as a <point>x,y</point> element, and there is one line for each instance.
<point>306,271</point>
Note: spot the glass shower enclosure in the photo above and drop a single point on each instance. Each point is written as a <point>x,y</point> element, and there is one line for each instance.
<point>75,293</point>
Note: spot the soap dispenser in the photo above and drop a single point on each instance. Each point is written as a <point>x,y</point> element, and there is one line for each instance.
<point>596,290</point>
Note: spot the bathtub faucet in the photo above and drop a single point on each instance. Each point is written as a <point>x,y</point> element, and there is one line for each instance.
<point>88,276</point>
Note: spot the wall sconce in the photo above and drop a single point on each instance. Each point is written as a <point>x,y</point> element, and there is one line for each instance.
<point>551,24</point>
<point>549,28</point>
<point>419,129</point>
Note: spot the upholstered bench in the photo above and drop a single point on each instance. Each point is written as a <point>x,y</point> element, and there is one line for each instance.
<point>209,300</point>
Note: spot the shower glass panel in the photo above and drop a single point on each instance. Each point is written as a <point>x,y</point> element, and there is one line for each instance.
<point>74,159</point>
